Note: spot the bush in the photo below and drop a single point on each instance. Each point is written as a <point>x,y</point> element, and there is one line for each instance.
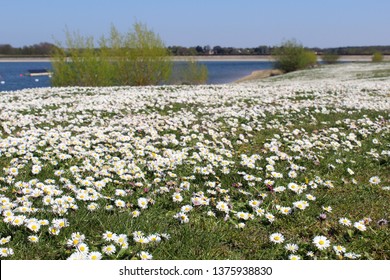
<point>330,58</point>
<point>136,58</point>
<point>292,56</point>
<point>377,57</point>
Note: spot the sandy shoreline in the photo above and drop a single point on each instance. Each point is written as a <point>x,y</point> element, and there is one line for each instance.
<point>259,74</point>
<point>233,58</point>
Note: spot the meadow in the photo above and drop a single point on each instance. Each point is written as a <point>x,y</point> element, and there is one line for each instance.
<point>290,167</point>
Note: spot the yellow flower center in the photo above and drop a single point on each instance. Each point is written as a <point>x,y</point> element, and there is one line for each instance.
<point>321,242</point>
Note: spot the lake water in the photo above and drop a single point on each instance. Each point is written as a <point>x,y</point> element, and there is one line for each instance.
<point>219,72</point>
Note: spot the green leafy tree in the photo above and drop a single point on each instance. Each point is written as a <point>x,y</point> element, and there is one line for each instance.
<point>292,56</point>
<point>136,58</point>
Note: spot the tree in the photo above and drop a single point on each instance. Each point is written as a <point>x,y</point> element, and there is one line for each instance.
<point>148,56</point>
<point>377,57</point>
<point>138,57</point>
<point>199,50</point>
<point>218,50</point>
<point>292,56</point>
<point>6,49</point>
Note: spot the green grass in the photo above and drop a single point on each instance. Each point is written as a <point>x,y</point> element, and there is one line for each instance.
<point>317,141</point>
<point>375,74</point>
<point>212,238</point>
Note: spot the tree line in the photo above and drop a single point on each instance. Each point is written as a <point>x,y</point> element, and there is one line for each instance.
<point>46,49</point>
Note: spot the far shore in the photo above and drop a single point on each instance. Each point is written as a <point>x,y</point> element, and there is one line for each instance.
<point>233,58</point>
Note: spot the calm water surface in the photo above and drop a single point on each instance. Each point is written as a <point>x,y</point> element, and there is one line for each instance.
<point>220,72</point>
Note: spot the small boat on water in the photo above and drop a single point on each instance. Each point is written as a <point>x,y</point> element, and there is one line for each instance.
<point>38,72</point>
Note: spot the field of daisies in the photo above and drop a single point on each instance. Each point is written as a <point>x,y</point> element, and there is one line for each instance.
<point>290,167</point>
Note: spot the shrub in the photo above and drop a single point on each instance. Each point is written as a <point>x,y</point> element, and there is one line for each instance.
<point>377,57</point>
<point>136,58</point>
<point>292,56</point>
<point>330,58</point>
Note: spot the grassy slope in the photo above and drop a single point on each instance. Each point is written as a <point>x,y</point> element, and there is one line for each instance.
<point>206,237</point>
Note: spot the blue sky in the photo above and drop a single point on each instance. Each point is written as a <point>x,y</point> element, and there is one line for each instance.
<point>237,23</point>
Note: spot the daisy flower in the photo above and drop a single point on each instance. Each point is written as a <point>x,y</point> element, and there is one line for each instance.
<point>60,223</point>
<point>145,255</point>
<point>294,187</point>
<point>13,171</point>
<point>33,226</point>
<point>83,248</point>
<point>240,225</point>
<point>301,204</point>
<point>135,213</point>
<point>120,239</point>
<point>310,254</point>
<point>375,180</point>
<point>154,238</point>
<point>78,235</point>
<point>352,255</point>
<point>120,203</point>
<point>270,217</point>
<point>36,169</point>
<point>54,230</point>
<point>294,257</point>
<point>186,208</point>
<point>292,174</point>
<point>285,210</point>
<point>254,203</point>
<point>242,215</point>
<point>276,237</point>
<point>345,222</point>
<point>33,238</point>
<point>182,217</point>
<point>310,197</point>
<point>6,252</point>
<point>260,212</point>
<point>77,256</point>
<point>339,249</point>
<point>143,203</point>
<point>321,242</point>
<point>94,256</point>
<point>291,247</point>
<point>109,207</point>
<point>359,226</point>
<point>141,239</point>
<point>176,197</point>
<point>5,240</point>
<point>109,236</point>
<point>93,206</point>
<point>222,206</point>
<point>18,220</point>
<point>109,249</point>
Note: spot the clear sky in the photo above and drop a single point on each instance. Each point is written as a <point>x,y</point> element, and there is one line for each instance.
<point>236,23</point>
